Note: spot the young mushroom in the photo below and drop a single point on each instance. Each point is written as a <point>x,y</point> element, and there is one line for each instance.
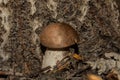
<point>57,38</point>
<point>94,77</point>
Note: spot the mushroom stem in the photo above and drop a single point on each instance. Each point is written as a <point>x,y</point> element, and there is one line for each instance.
<point>52,57</point>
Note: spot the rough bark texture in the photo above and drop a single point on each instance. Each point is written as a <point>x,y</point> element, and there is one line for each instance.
<point>21,21</point>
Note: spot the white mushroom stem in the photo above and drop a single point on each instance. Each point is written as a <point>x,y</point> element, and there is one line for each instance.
<point>51,58</point>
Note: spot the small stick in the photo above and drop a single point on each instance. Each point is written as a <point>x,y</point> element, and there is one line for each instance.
<point>10,73</point>
<point>77,72</point>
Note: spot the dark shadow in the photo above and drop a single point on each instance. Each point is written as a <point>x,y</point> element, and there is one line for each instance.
<point>74,47</point>
<point>43,48</point>
<point>3,76</point>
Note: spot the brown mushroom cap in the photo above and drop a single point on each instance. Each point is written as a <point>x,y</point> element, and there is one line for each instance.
<point>58,35</point>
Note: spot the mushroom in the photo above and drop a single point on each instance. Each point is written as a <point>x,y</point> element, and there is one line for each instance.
<point>57,38</point>
<point>93,77</point>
